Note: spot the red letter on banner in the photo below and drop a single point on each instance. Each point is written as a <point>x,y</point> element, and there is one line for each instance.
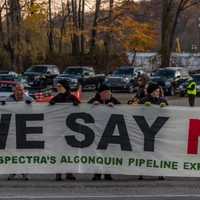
<point>194,133</point>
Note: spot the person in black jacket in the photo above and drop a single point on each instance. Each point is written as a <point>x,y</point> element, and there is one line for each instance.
<point>154,95</point>
<point>64,96</point>
<point>103,96</point>
<point>140,92</point>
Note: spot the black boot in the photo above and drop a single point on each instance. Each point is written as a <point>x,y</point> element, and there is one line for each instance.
<point>96,177</point>
<point>70,177</point>
<point>161,178</point>
<point>58,177</point>
<point>140,178</point>
<point>108,177</point>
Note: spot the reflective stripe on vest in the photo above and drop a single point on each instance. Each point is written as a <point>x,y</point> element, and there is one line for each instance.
<point>192,92</point>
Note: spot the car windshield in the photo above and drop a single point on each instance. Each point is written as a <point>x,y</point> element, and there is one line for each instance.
<point>73,71</point>
<point>37,69</point>
<point>123,72</point>
<point>7,78</point>
<point>165,73</point>
<point>197,79</point>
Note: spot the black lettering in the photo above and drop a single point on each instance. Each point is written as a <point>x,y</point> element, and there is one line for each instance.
<point>72,123</point>
<point>22,131</point>
<point>4,128</point>
<point>109,138</point>
<point>150,132</point>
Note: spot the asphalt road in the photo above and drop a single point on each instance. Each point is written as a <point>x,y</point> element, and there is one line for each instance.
<point>44,187</point>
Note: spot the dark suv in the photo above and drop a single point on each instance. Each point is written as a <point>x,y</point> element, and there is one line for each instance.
<point>83,76</point>
<point>41,75</point>
<point>170,78</point>
<point>123,78</point>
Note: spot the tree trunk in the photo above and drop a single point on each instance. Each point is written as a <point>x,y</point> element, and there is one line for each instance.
<point>51,27</point>
<point>94,27</point>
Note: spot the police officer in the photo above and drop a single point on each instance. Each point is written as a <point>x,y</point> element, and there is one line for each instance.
<point>191,92</point>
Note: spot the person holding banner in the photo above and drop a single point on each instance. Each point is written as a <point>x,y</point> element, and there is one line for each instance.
<point>103,96</point>
<point>64,96</point>
<point>140,93</point>
<point>155,95</point>
<point>18,95</point>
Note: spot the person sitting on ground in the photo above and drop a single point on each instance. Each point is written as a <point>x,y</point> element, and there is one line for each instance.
<point>64,96</point>
<point>103,96</point>
<point>19,95</point>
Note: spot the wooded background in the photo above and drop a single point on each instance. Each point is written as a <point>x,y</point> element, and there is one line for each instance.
<point>94,32</point>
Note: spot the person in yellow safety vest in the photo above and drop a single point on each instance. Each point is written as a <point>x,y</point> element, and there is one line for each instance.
<point>191,92</point>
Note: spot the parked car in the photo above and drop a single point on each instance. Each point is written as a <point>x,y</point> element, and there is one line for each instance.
<point>123,79</point>
<point>182,89</point>
<point>41,76</point>
<point>81,76</point>
<point>170,78</point>
<point>6,89</point>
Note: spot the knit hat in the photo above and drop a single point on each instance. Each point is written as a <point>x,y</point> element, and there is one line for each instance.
<point>152,87</point>
<point>103,87</point>
<point>65,84</point>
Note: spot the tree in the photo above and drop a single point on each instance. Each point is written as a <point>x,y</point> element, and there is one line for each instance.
<point>171,11</point>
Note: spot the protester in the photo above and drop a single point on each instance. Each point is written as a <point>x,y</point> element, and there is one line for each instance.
<point>103,96</point>
<point>154,95</point>
<point>64,96</point>
<point>140,93</point>
<point>191,92</point>
<point>19,95</point>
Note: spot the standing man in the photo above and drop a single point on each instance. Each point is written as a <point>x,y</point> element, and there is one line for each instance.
<point>64,96</point>
<point>19,95</point>
<point>103,96</point>
<point>191,92</point>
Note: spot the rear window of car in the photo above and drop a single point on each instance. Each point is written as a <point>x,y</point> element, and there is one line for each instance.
<point>39,69</point>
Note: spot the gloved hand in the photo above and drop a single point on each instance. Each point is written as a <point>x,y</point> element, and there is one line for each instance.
<point>28,102</point>
<point>75,103</point>
<point>147,103</point>
<point>52,103</point>
<point>110,104</point>
<point>96,103</point>
<point>162,105</point>
<point>3,103</point>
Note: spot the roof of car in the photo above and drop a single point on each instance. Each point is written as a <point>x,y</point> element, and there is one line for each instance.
<point>43,66</point>
<point>86,67</point>
<point>172,68</point>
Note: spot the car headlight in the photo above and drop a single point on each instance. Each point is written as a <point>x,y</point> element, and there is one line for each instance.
<point>37,77</point>
<point>126,80</point>
<point>181,87</point>
<point>74,80</point>
<point>106,80</point>
<point>167,84</point>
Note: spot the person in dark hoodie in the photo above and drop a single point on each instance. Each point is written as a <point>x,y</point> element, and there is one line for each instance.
<point>140,92</point>
<point>154,95</point>
<point>64,96</point>
<point>103,96</point>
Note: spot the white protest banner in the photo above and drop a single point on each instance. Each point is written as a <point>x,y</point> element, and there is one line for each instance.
<point>99,139</point>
